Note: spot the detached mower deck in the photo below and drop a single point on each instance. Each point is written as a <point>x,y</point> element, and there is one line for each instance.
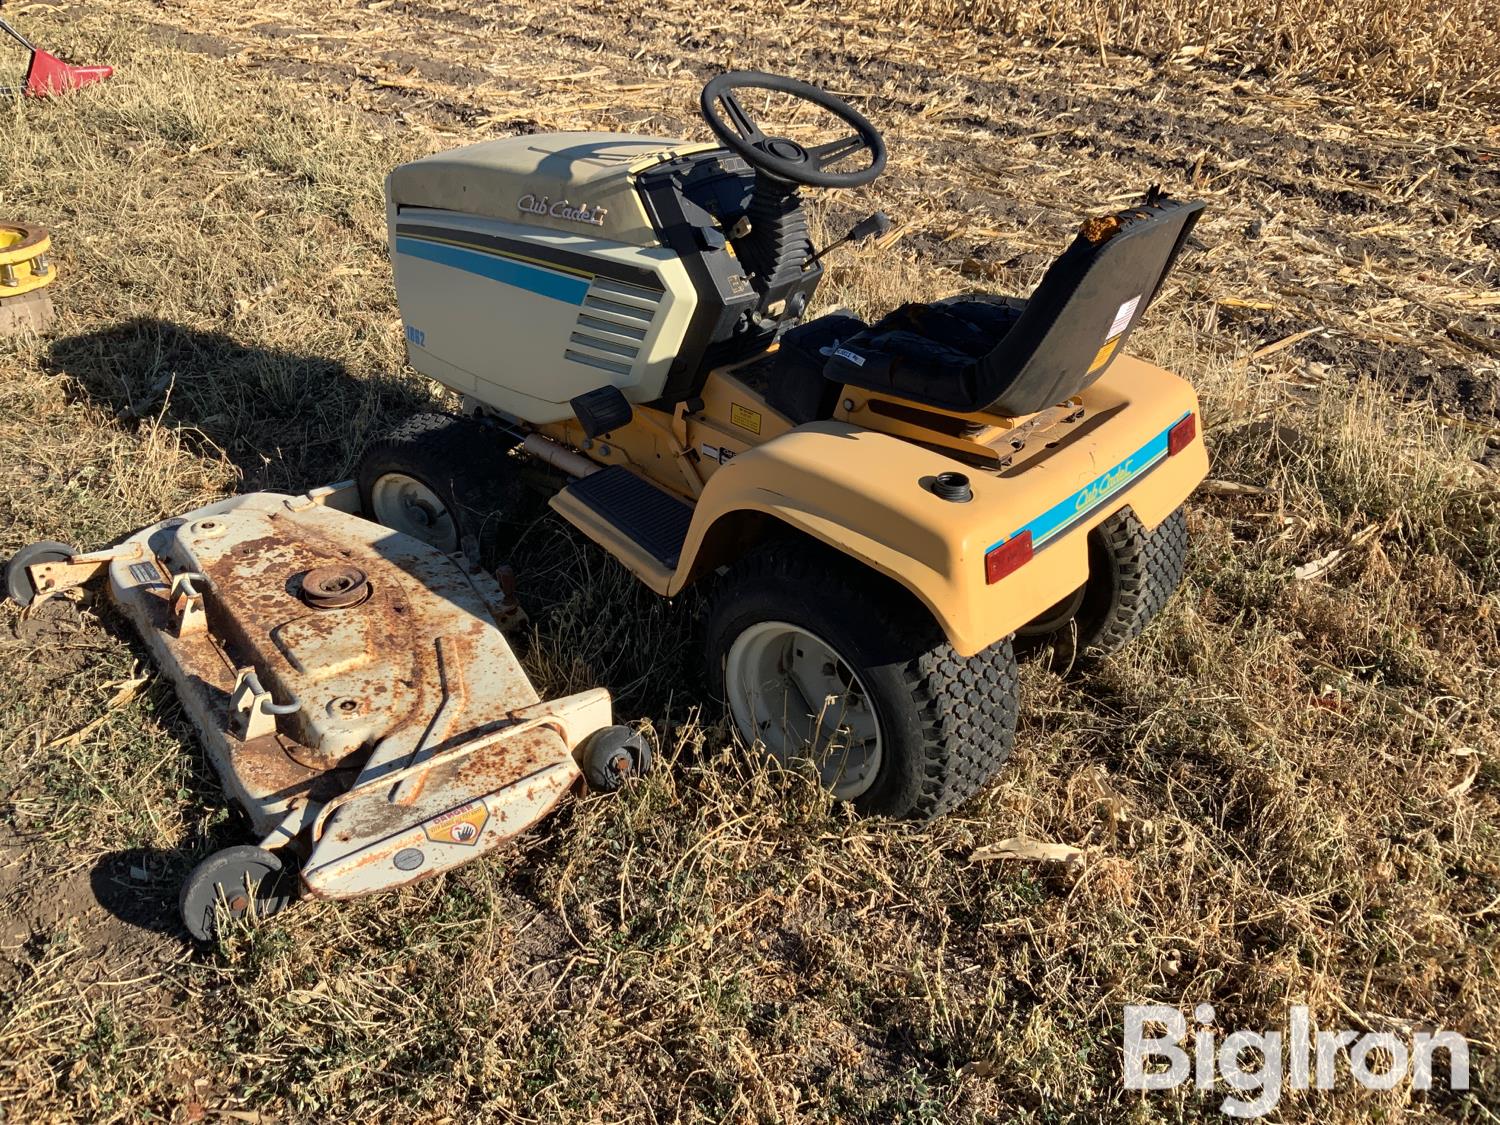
<point>352,687</point>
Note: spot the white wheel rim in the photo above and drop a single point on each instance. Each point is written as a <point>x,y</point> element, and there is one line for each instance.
<point>790,691</point>
<point>405,504</point>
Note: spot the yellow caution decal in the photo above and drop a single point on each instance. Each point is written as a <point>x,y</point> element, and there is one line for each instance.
<point>744,417</point>
<point>458,826</point>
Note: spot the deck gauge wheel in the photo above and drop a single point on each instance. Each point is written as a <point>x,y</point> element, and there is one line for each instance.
<point>18,582</point>
<point>239,882</point>
<point>613,755</point>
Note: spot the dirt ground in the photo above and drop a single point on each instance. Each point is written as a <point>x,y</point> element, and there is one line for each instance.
<point>1286,793</point>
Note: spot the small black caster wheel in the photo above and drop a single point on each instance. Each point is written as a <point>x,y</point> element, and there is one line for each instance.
<point>18,582</point>
<point>612,755</point>
<point>238,882</point>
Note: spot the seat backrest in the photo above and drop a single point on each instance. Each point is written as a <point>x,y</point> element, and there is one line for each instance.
<point>1084,309</point>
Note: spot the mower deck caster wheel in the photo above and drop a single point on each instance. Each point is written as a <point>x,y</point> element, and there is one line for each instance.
<point>248,881</point>
<point>612,756</point>
<point>18,582</point>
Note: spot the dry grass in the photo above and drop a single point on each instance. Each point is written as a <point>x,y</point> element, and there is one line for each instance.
<point>1287,791</point>
<point>1429,48</point>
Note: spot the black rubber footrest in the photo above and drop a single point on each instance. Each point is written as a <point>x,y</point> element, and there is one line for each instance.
<point>640,511</point>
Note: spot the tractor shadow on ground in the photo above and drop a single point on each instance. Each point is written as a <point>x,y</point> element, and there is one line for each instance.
<point>139,886</point>
<point>286,420</point>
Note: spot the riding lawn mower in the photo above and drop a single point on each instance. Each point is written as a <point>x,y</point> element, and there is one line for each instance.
<point>880,514</point>
<point>879,508</point>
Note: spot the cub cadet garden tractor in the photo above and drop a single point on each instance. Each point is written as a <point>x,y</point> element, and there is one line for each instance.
<point>882,507</point>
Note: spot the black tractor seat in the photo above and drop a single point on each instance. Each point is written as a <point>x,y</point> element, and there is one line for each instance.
<point>1006,356</point>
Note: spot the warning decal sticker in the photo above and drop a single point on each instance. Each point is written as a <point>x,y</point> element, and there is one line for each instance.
<point>146,574</point>
<point>718,454</point>
<point>1123,316</point>
<point>744,417</point>
<point>462,825</point>
<point>1101,357</point>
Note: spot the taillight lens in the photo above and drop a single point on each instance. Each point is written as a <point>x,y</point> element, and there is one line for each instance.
<point>1006,557</point>
<point>1182,434</point>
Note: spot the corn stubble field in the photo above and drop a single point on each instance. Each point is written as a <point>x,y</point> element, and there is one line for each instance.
<point>1285,793</point>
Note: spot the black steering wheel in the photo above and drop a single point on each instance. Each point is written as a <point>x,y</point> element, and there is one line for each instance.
<point>783,157</point>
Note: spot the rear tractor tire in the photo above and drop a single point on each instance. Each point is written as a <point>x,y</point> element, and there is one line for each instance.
<point>1132,574</point>
<point>439,479</point>
<point>821,659</point>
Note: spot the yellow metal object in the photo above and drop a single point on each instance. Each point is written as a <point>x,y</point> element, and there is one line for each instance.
<point>680,451</point>
<point>861,482</point>
<point>868,494</point>
<point>649,443</point>
<point>734,418</point>
<point>25,264</point>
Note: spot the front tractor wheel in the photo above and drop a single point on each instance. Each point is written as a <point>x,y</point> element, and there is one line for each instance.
<point>822,660</point>
<point>438,479</point>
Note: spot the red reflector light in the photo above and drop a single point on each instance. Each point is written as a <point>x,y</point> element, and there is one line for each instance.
<point>1182,434</point>
<point>1007,557</point>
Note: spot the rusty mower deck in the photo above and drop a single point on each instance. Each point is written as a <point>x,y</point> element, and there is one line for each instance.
<point>351,686</point>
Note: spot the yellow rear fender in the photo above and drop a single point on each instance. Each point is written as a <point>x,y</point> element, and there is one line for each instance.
<point>869,495</point>
<point>821,479</point>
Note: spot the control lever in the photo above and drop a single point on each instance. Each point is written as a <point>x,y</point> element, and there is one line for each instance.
<point>872,227</point>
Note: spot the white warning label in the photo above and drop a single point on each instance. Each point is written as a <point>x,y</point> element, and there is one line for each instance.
<point>1123,317</point>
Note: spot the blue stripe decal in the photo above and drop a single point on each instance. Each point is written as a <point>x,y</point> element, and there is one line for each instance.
<point>522,275</point>
<point>1061,516</point>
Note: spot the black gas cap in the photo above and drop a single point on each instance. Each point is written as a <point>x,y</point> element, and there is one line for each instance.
<point>953,486</point>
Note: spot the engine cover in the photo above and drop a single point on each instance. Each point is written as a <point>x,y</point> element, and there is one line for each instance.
<point>535,269</point>
<point>529,272</point>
